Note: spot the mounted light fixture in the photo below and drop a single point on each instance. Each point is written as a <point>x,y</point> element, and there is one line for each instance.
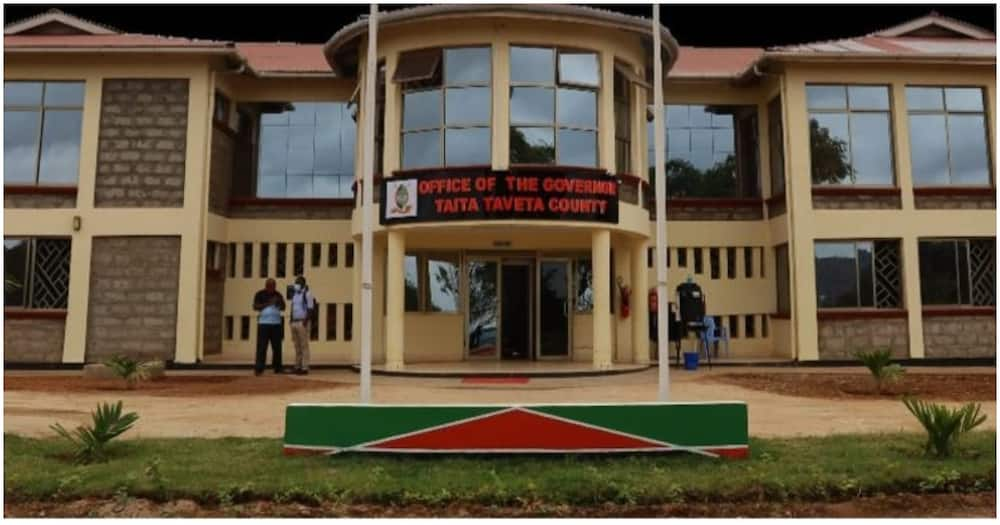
<point>77,223</point>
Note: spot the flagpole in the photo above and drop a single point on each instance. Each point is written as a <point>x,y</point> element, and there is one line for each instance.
<point>367,190</point>
<point>662,330</point>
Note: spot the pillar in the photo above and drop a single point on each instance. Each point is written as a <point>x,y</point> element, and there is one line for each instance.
<point>394,300</point>
<point>911,295</point>
<point>600,257</point>
<point>640,304</point>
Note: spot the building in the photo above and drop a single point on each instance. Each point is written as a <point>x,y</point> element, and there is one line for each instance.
<point>827,197</point>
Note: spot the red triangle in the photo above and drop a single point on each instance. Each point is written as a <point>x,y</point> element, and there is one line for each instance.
<point>514,430</point>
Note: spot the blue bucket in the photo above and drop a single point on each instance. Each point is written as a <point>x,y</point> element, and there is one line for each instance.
<point>690,360</point>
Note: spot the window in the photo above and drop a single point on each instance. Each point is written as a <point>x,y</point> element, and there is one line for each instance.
<point>854,274</point>
<point>314,331</point>
<point>331,321</point>
<point>711,151</point>
<point>306,150</point>
<point>682,259</point>
<point>623,121</point>
<point>221,110</point>
<point>42,124</point>
<point>431,283</point>
<point>348,322</point>
<point>280,259</point>
<point>749,329</point>
<point>713,262</point>
<point>760,250</point>
<point>731,263</point>
<point>958,272</point>
<point>315,254</point>
<point>265,256</point>
<point>763,326</point>
<point>331,256</point>
<point>247,260</point>
<point>748,262</point>
<point>349,255</point>
<point>583,274</point>
<point>734,326</point>
<point>776,146</point>
<point>446,117</point>
<point>782,279</point>
<point>698,265</point>
<point>36,273</point>
<point>229,327</point>
<point>232,260</point>
<point>298,258</point>
<point>245,327</point>
<point>849,135</point>
<point>553,106</point>
<point>948,136</point>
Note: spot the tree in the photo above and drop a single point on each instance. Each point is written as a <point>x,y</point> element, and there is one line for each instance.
<point>522,152</point>
<point>829,156</point>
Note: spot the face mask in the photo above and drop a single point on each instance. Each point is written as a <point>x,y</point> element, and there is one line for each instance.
<point>298,287</point>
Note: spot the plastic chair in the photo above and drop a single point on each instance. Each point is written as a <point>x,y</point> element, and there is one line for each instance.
<point>711,336</point>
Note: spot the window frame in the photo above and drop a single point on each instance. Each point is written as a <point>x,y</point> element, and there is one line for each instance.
<point>776,145</point>
<point>622,103</point>
<point>958,267</point>
<point>423,259</point>
<point>873,293</point>
<point>42,108</point>
<point>945,112</point>
<point>30,272</point>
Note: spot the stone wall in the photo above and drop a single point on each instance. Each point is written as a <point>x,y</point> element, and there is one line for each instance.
<point>856,202</point>
<point>133,297</point>
<point>955,202</point>
<point>839,339</point>
<point>142,143</point>
<point>215,295</point>
<point>221,173</point>
<point>960,336</point>
<point>39,201</point>
<point>33,340</point>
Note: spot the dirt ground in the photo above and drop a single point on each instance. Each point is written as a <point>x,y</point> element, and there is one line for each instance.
<point>938,387</point>
<point>255,407</point>
<point>981,505</point>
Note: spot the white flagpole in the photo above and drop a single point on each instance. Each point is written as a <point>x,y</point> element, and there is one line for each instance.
<point>367,190</point>
<point>662,343</point>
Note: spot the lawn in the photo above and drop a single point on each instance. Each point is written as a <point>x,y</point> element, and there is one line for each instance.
<point>225,471</point>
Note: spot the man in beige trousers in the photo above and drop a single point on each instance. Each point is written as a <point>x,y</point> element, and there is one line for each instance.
<point>303,306</point>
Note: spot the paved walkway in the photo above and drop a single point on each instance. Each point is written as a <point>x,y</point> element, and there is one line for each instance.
<point>31,413</point>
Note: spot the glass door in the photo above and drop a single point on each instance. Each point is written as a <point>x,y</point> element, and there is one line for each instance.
<point>482,322</point>
<point>553,308</point>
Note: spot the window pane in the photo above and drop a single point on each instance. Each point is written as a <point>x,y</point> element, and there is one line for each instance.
<point>576,108</point>
<point>924,98</point>
<point>410,280</point>
<point>836,275</point>
<point>969,158</point>
<point>299,186</point>
<point>584,286</point>
<point>829,150</point>
<point>302,114</point>
<point>776,146</point>
<point>464,147</point>
<point>868,97</point>
<point>442,285</point>
<point>532,65</point>
<point>60,160</point>
<point>929,150</point>
<point>22,93</point>
<point>64,94</point>
<point>962,248</point>
<point>532,145</point>
<point>467,65</point>
<point>678,116</point>
<point>421,149</point>
<point>20,145</point>
<point>577,148</point>
<point>325,186</point>
<point>467,106</point>
<point>301,150</point>
<point>15,259</point>
<point>422,109</point>
<point>579,68</point>
<point>271,186</point>
<point>866,269</point>
<point>273,150</point>
<point>963,99</point>
<point>871,151</point>
<point>532,105</point>
<point>826,97</point>
<point>938,272</point>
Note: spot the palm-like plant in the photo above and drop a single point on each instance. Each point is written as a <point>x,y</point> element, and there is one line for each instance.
<point>108,423</point>
<point>129,369</point>
<point>944,425</point>
<point>879,363</point>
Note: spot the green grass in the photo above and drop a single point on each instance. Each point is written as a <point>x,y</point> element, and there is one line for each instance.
<point>236,469</point>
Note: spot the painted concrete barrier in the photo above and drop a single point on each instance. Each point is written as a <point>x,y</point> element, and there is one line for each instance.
<point>715,429</point>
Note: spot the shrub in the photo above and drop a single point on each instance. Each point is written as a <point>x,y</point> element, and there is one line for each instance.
<point>879,363</point>
<point>129,369</point>
<point>944,425</point>
<point>108,423</point>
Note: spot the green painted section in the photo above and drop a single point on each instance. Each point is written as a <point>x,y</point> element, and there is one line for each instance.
<point>349,425</point>
<point>687,425</point>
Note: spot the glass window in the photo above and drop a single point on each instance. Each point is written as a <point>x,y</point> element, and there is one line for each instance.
<point>442,284</point>
<point>36,273</point>
<point>307,150</point>
<point>43,122</point>
<point>958,272</point>
<point>948,136</point>
<point>853,274</point>
<point>584,276</point>
<point>411,280</point>
<point>850,135</point>
<point>623,122</point>
<point>532,65</point>
<point>783,279</point>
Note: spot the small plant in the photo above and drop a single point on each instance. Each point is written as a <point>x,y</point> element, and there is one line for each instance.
<point>108,423</point>
<point>879,363</point>
<point>944,425</point>
<point>129,369</point>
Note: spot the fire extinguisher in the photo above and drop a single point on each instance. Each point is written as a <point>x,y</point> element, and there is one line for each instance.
<point>623,294</point>
<point>653,300</point>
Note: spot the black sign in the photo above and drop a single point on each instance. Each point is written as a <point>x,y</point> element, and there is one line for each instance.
<point>499,195</point>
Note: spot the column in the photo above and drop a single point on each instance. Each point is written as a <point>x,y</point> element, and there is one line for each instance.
<point>600,257</point>
<point>911,295</point>
<point>394,297</point>
<point>640,305</point>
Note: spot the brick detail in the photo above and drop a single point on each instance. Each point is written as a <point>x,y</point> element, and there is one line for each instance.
<point>267,211</point>
<point>39,201</point>
<point>960,336</point>
<point>856,202</point>
<point>954,202</point>
<point>33,340</point>
<point>142,144</point>
<point>220,177</point>
<point>840,339</point>
<point>133,297</point>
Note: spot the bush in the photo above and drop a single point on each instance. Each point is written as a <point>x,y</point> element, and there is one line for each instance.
<point>879,363</point>
<point>944,425</point>
<point>129,369</point>
<point>108,423</point>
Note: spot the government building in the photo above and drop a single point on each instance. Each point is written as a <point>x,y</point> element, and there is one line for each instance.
<point>827,197</point>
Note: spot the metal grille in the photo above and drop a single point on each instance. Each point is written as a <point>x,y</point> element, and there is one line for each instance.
<point>982,272</point>
<point>887,275</point>
<point>50,274</point>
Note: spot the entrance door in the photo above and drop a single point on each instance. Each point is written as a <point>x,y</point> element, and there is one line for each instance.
<point>483,321</point>
<point>553,308</point>
<point>516,311</point>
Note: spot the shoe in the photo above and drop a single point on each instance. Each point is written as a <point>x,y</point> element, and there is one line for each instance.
<point>258,372</point>
<point>301,372</point>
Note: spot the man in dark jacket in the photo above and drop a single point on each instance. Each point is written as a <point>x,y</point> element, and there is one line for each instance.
<point>270,304</point>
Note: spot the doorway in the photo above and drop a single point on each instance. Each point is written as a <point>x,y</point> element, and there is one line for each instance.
<point>516,310</point>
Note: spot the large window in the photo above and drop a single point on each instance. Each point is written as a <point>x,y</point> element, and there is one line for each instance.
<point>553,106</point>
<point>36,273</point>
<point>446,110</point>
<point>849,135</point>
<point>776,146</point>
<point>858,274</point>
<point>42,125</point>
<point>958,272</point>
<point>711,151</point>
<point>623,122</point>
<point>307,150</point>
<point>948,136</point>
<point>431,283</point>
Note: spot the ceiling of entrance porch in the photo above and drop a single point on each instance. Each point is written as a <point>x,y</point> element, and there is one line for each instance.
<point>507,236</point>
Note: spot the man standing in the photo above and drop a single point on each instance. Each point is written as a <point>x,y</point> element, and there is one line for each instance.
<point>270,304</point>
<point>303,308</point>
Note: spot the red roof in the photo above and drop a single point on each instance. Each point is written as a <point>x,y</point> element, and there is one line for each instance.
<point>284,58</point>
<point>714,62</point>
<point>112,40</point>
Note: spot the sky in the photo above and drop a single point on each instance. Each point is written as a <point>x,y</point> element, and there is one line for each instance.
<point>693,25</point>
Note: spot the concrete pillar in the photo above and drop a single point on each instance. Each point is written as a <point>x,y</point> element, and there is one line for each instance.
<point>394,297</point>
<point>640,304</point>
<point>911,296</point>
<point>600,257</point>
